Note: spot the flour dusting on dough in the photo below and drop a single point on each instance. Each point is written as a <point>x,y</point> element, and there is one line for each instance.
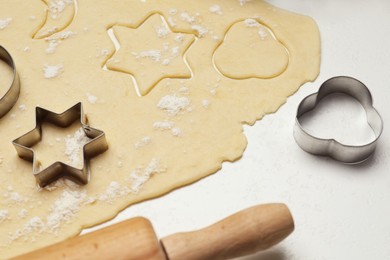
<point>173,104</point>
<point>140,176</point>
<point>52,71</point>
<point>5,22</point>
<point>3,215</point>
<point>74,146</point>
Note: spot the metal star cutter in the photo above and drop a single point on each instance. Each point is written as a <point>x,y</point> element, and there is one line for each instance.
<point>94,147</point>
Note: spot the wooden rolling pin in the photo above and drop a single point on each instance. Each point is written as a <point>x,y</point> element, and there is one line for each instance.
<point>246,232</point>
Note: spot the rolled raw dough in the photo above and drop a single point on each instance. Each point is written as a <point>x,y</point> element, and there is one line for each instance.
<point>170,83</point>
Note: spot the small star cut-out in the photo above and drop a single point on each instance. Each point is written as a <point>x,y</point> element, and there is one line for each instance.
<point>94,147</point>
<point>150,53</point>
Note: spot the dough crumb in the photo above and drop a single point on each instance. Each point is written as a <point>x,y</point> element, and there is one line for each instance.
<point>173,104</point>
<point>5,22</point>
<point>52,71</point>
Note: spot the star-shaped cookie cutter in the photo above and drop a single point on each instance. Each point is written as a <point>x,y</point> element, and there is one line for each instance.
<point>94,147</point>
<point>8,100</point>
<point>350,154</point>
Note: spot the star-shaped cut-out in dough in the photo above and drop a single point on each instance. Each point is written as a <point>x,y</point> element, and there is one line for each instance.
<point>151,52</point>
<point>94,147</point>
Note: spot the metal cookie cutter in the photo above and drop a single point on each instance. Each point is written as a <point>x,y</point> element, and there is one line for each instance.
<point>330,147</point>
<point>94,147</point>
<point>8,100</point>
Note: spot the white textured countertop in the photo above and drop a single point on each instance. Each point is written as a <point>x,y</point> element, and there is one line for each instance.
<point>340,211</point>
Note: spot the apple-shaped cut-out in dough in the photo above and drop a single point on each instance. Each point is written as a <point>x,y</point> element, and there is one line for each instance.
<point>250,50</point>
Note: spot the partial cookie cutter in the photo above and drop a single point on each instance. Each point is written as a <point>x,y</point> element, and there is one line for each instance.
<point>8,100</point>
<point>350,154</point>
<point>57,170</point>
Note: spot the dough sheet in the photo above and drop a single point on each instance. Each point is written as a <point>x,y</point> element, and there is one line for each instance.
<point>171,84</point>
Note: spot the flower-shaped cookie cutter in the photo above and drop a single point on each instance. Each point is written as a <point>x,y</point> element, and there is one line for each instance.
<point>329,147</point>
<point>8,100</point>
<point>94,147</point>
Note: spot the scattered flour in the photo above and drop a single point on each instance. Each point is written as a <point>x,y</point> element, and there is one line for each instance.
<point>244,2</point>
<point>216,9</point>
<point>140,176</point>
<point>176,132</point>
<point>13,196</point>
<point>163,125</point>
<point>205,103</point>
<point>74,145</point>
<point>162,31</point>
<point>56,7</point>
<point>179,38</point>
<point>5,22</point>
<point>173,104</point>
<point>64,208</point>
<point>55,40</point>
<point>200,30</point>
<point>251,23</point>
<point>51,48</point>
<point>154,55</point>
<point>22,107</point>
<point>3,215</point>
<point>263,33</point>
<point>184,16</point>
<point>52,71</point>
<point>22,213</point>
<point>173,11</point>
<point>91,98</point>
<point>114,191</point>
<point>172,22</point>
<point>144,141</point>
<point>61,211</point>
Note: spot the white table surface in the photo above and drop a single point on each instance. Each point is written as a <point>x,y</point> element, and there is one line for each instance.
<point>340,211</point>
